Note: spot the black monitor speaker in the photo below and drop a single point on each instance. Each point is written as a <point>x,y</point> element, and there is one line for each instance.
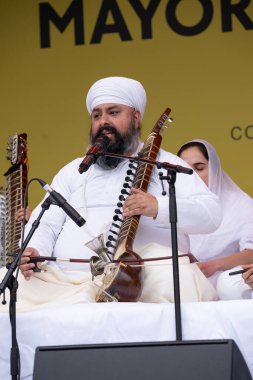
<point>186,360</point>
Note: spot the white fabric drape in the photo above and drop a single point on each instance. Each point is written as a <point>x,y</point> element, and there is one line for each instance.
<point>94,323</point>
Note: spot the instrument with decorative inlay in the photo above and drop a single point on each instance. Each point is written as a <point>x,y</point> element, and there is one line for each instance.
<point>123,282</point>
<point>16,181</point>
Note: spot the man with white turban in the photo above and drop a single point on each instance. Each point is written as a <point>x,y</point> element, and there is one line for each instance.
<point>116,106</point>
<point>119,90</point>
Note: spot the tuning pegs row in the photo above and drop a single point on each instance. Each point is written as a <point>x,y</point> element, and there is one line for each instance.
<point>114,230</point>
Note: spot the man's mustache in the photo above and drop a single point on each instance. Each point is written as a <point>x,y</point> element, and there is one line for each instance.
<point>106,130</point>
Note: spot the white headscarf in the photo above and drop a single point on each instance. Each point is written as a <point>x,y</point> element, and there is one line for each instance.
<point>119,90</point>
<point>236,230</point>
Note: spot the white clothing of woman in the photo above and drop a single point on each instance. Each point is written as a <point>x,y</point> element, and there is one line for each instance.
<point>235,232</point>
<point>233,287</point>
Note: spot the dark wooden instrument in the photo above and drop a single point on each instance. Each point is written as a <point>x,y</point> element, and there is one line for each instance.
<point>123,282</point>
<point>2,226</point>
<point>16,181</point>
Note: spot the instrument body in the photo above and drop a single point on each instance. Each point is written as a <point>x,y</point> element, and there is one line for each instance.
<point>16,182</point>
<point>122,281</point>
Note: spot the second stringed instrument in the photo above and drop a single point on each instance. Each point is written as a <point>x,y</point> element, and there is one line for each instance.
<point>123,282</point>
<point>2,226</point>
<point>16,181</point>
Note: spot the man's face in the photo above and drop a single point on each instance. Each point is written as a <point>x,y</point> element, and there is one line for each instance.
<point>121,124</point>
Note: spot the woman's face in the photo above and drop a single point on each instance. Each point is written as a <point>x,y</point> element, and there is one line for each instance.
<point>194,157</point>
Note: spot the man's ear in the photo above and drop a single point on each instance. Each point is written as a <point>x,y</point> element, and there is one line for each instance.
<point>137,118</point>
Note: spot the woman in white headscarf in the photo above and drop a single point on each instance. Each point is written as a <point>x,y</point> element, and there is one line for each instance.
<point>232,243</point>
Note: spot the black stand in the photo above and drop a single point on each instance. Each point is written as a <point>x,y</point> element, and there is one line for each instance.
<point>11,282</point>
<point>171,179</point>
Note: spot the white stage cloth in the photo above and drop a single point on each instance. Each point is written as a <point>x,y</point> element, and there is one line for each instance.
<point>124,322</point>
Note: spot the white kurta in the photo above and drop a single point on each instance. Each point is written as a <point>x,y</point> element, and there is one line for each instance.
<point>94,194</point>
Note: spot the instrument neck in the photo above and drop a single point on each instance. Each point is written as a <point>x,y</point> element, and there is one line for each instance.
<point>141,180</point>
<point>14,200</point>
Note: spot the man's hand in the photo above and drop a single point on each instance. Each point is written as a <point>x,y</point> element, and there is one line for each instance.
<point>140,203</point>
<point>208,267</point>
<point>20,214</point>
<point>247,276</point>
<point>26,267</point>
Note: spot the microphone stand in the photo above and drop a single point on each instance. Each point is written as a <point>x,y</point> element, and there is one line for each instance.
<point>158,164</point>
<point>172,171</point>
<point>171,179</point>
<point>10,281</point>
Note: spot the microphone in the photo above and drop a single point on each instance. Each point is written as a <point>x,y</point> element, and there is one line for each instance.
<point>176,168</point>
<point>60,201</point>
<point>100,146</point>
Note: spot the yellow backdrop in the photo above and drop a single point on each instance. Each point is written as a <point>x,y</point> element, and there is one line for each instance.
<point>193,56</point>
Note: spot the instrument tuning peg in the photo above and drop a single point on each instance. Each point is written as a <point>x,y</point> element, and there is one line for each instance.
<point>117,218</point>
<point>110,245</point>
<point>115,225</point>
<point>168,120</point>
<point>113,232</point>
<point>132,166</point>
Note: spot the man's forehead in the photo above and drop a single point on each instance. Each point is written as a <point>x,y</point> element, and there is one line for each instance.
<point>110,106</point>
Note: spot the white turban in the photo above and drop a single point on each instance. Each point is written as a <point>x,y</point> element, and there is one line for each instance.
<point>119,90</point>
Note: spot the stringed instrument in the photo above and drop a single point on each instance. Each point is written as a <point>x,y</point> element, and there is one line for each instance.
<point>123,282</point>
<point>2,226</point>
<point>16,181</point>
